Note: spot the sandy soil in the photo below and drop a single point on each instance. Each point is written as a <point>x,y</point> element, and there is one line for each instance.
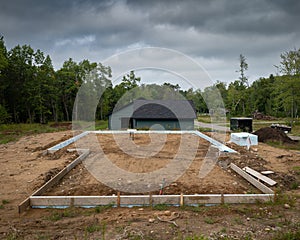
<point>24,168</point>
<point>80,182</point>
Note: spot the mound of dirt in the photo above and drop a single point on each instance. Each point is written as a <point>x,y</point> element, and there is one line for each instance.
<point>271,134</point>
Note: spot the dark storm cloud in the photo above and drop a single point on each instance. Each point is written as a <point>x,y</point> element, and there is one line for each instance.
<point>215,32</point>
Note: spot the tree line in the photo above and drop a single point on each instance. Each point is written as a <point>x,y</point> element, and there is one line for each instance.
<point>32,91</point>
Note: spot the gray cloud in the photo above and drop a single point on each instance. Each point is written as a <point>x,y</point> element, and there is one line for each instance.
<point>212,32</point>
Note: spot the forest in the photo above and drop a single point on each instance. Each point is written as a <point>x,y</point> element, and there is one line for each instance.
<point>32,91</point>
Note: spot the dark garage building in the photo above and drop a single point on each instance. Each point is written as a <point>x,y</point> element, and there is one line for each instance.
<point>154,114</point>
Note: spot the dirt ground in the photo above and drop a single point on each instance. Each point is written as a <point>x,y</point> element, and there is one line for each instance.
<point>25,167</point>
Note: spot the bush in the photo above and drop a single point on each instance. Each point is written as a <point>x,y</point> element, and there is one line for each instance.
<point>4,116</point>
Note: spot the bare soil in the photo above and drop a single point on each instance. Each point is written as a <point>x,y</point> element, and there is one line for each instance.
<point>25,167</point>
<point>272,134</point>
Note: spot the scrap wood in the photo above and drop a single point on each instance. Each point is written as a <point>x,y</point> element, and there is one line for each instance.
<point>261,177</point>
<point>174,216</point>
<point>267,172</point>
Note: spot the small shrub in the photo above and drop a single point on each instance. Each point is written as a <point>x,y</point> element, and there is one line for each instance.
<point>4,201</point>
<point>294,185</point>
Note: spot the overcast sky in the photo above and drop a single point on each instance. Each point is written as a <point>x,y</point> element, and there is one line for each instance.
<point>213,33</point>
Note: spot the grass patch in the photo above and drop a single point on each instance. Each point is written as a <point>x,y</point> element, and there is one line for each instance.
<point>4,201</point>
<point>93,228</point>
<point>101,124</point>
<point>12,132</point>
<point>196,209</point>
<point>161,207</point>
<point>281,199</point>
<point>296,169</point>
<point>277,144</point>
<point>204,118</point>
<point>287,236</point>
<point>210,220</point>
<point>66,213</point>
<point>101,208</point>
<point>203,129</point>
<point>199,237</point>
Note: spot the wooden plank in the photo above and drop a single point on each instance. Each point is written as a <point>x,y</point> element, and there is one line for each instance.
<point>51,201</point>
<point>143,200</point>
<point>267,172</point>
<point>261,177</point>
<point>248,198</point>
<point>67,142</point>
<point>136,200</point>
<point>26,203</point>
<point>61,174</point>
<point>252,180</point>
<point>202,199</point>
<point>23,206</point>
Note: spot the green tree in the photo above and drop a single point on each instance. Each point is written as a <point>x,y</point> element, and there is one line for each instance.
<point>243,68</point>
<point>288,86</point>
<point>4,116</point>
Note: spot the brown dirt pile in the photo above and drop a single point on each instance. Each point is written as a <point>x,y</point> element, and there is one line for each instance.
<point>271,134</point>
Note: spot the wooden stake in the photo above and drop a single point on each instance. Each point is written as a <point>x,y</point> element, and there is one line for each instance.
<point>118,200</point>
<point>181,200</point>
<point>150,200</point>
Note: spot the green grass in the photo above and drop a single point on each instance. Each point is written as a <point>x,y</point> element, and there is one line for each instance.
<point>12,132</point>
<point>93,228</point>
<point>210,220</point>
<point>199,237</point>
<point>296,169</point>
<point>287,236</point>
<point>197,209</point>
<point>4,201</point>
<point>66,213</point>
<point>276,144</point>
<point>101,124</point>
<point>161,207</point>
<point>204,118</point>
<point>100,209</point>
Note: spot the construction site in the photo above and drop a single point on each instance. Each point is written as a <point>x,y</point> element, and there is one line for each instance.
<point>51,175</point>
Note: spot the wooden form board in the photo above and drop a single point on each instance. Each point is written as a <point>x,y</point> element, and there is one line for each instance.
<point>65,201</point>
<point>26,203</point>
<point>251,179</point>
<point>261,177</point>
<point>146,200</point>
<point>67,142</point>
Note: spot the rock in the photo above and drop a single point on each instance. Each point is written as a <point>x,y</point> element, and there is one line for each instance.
<point>287,206</point>
<point>167,213</point>
<point>151,220</point>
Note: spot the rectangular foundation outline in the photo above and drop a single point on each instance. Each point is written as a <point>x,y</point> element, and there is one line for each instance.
<point>37,201</point>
